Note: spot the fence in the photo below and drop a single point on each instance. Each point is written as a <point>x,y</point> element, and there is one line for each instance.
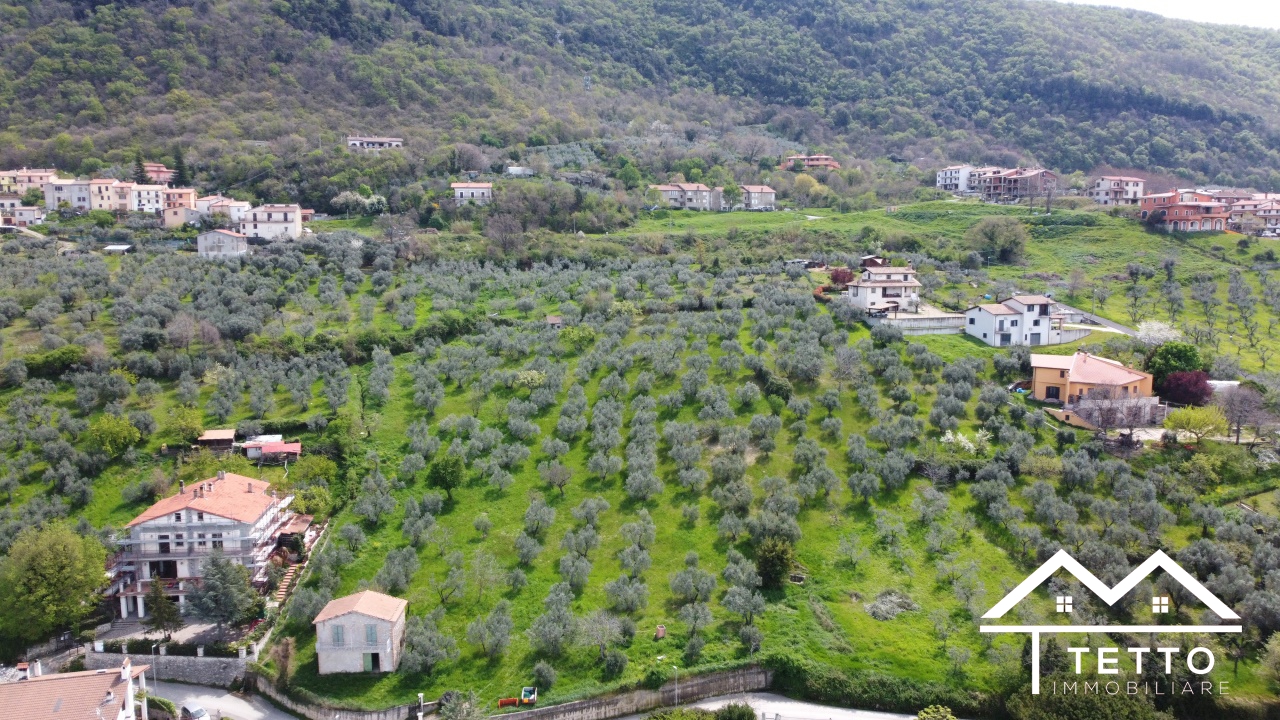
<point>601,708</point>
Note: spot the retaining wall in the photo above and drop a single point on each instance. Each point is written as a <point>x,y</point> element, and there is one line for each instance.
<point>264,687</point>
<point>601,708</point>
<point>638,701</point>
<point>221,672</point>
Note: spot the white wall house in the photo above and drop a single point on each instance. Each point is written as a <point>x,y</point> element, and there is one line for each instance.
<point>883,288</point>
<point>171,540</point>
<point>472,192</point>
<point>367,143</point>
<point>273,222</point>
<point>954,178</point>
<point>1117,190</point>
<point>221,244</point>
<point>1021,320</point>
<point>363,632</point>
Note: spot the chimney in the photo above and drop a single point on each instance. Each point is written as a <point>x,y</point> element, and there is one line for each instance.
<point>182,487</point>
<point>222,474</point>
<point>36,670</point>
<point>125,667</point>
<point>111,697</point>
<point>248,487</point>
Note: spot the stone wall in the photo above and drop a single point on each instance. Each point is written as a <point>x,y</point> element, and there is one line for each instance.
<point>638,701</point>
<point>221,672</point>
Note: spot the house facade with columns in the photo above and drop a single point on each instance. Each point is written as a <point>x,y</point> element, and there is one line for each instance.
<point>170,541</point>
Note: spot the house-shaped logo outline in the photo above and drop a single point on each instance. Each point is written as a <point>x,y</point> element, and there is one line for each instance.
<point>1062,560</point>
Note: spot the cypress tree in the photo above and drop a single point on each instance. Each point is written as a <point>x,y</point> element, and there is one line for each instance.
<point>140,173</point>
<point>181,175</point>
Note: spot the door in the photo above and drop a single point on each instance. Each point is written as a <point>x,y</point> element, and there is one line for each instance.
<point>1052,392</point>
<point>1035,338</point>
<point>1005,339</point>
<point>372,663</point>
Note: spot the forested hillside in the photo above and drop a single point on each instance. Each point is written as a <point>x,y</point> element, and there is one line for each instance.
<point>84,84</point>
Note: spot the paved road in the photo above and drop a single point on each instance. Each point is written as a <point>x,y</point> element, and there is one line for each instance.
<point>769,705</point>
<point>219,702</point>
<point>1100,320</point>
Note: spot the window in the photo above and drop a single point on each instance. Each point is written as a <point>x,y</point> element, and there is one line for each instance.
<point>200,518</point>
<point>200,541</point>
<point>1062,373</point>
<point>217,540</point>
<point>973,321</point>
<point>338,636</point>
<point>984,336</point>
<point>1013,323</point>
<point>177,517</point>
<point>370,634</point>
<point>178,540</point>
<point>1063,603</point>
<point>1035,323</point>
<point>1160,604</point>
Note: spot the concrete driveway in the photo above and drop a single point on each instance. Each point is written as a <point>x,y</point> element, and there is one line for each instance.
<point>218,702</point>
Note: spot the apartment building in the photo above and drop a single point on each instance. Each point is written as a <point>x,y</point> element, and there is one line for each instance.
<point>158,172</point>
<point>1014,184</point>
<point>809,162</point>
<point>954,179</point>
<point>1117,190</point>
<point>75,193</point>
<point>221,244</point>
<point>170,541</point>
<point>758,197</point>
<point>23,179</point>
<point>121,197</point>
<point>273,222</point>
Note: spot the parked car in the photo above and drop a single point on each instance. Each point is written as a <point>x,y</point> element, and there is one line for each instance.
<point>191,711</point>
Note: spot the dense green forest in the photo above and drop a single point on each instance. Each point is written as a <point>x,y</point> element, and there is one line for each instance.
<point>261,94</point>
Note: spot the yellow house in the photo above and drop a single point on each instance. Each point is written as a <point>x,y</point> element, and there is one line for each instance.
<point>1067,378</point>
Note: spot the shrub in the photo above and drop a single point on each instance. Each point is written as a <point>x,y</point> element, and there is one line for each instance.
<point>774,559</point>
<point>615,661</point>
<point>544,676</point>
<point>736,711</point>
<point>1186,387</point>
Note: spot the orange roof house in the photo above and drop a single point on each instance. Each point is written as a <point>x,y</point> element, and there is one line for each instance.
<point>84,695</point>
<point>1067,378</point>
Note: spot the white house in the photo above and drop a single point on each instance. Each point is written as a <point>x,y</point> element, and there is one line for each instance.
<point>169,542</point>
<point>75,193</point>
<point>221,244</point>
<point>363,632</point>
<point>880,287</point>
<point>1021,320</point>
<point>368,143</point>
<point>273,222</point>
<point>22,216</point>
<point>758,197</point>
<point>472,192</point>
<point>1117,190</point>
<point>955,178</point>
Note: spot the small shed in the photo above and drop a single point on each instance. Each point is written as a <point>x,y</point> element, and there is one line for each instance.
<point>117,249</point>
<point>555,321</point>
<point>253,446</point>
<point>220,439</point>
<point>281,451</point>
<point>363,632</point>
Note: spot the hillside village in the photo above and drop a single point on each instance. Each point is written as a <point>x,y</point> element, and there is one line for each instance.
<point>335,466</point>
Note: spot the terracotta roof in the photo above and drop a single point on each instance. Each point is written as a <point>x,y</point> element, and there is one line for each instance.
<point>233,234</point>
<point>997,309</point>
<point>1031,299</point>
<point>1122,178</point>
<point>1090,369</point>
<point>234,497</point>
<point>298,524</point>
<point>757,189</point>
<point>477,186</point>
<point>691,187</point>
<point>219,434</point>
<point>366,602</point>
<point>282,447</point>
<point>73,696</point>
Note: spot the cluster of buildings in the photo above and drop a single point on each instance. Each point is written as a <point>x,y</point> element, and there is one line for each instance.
<point>696,196</point>
<point>177,207</point>
<point>997,184</point>
<point>1198,210</point>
